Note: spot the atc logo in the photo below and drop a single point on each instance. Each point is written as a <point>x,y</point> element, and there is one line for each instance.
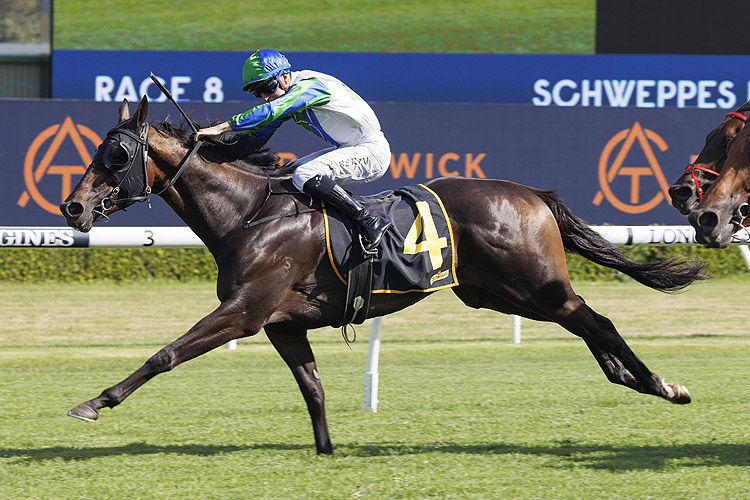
<point>53,158</point>
<point>629,154</point>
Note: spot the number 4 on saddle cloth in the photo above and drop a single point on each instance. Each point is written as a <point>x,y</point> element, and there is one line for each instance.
<point>416,254</point>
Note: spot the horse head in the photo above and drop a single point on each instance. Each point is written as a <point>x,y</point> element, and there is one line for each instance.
<point>118,175</point>
<point>724,207</point>
<point>687,191</point>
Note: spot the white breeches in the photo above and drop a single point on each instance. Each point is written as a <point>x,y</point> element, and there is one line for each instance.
<point>363,162</point>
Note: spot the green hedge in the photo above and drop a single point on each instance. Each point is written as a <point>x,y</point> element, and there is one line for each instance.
<point>188,264</point>
<point>721,263</point>
<point>94,264</point>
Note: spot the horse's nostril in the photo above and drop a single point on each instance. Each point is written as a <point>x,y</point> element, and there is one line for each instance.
<point>72,209</point>
<point>683,192</point>
<point>708,219</point>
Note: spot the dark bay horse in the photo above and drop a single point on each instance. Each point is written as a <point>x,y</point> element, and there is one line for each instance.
<point>726,203</point>
<point>687,191</point>
<point>510,256</point>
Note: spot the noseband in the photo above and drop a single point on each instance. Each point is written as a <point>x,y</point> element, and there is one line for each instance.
<point>690,169</point>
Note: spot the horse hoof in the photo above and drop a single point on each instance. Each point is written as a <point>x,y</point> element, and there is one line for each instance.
<point>84,412</point>
<point>680,394</point>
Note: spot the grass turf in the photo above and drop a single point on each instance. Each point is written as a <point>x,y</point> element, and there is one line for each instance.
<point>485,26</point>
<point>462,414</point>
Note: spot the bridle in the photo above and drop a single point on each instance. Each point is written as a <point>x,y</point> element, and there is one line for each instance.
<point>130,176</point>
<point>120,171</point>
<point>742,212</point>
<point>123,157</point>
<point>691,168</point>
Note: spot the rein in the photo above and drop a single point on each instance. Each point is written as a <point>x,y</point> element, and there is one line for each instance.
<point>107,202</point>
<point>142,140</point>
<point>123,178</point>
<point>146,192</point>
<point>183,163</point>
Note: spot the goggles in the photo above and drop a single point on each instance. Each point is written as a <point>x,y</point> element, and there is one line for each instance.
<point>266,87</point>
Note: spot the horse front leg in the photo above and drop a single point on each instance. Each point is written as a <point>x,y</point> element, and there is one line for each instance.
<point>295,350</point>
<point>222,325</point>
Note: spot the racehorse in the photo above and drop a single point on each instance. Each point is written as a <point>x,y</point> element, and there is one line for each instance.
<point>510,255</point>
<point>725,205</point>
<point>687,191</point>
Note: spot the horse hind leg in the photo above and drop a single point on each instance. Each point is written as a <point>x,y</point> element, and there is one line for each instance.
<point>612,368</point>
<point>617,374</point>
<point>476,297</point>
<point>531,280</point>
<point>618,362</point>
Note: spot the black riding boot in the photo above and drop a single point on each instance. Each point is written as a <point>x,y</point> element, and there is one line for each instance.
<point>373,226</point>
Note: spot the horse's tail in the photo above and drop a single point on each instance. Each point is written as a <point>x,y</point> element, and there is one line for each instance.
<point>667,275</point>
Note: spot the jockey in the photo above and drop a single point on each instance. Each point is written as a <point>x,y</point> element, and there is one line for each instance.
<point>329,109</point>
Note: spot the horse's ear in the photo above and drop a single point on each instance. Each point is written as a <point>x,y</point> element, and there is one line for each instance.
<point>124,111</point>
<point>141,112</point>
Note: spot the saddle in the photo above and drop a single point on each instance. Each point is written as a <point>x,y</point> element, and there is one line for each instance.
<point>416,254</point>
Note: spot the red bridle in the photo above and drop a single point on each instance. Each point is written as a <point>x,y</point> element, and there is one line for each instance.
<point>690,168</point>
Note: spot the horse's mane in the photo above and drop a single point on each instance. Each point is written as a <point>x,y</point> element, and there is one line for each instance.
<point>231,147</point>
<point>744,107</point>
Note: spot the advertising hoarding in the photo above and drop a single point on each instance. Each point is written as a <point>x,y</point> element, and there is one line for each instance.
<point>618,81</point>
<point>611,166</point>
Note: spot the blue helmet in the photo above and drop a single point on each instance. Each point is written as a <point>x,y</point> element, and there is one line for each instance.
<point>262,65</point>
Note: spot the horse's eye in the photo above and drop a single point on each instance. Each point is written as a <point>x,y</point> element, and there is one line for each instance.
<point>117,157</point>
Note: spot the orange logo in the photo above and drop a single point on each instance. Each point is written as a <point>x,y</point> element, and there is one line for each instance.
<point>611,173</point>
<point>36,170</point>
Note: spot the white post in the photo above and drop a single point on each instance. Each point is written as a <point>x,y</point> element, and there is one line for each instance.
<point>516,329</point>
<point>370,401</point>
<point>745,251</point>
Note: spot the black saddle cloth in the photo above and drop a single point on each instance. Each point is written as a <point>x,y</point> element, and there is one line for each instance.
<point>416,254</point>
